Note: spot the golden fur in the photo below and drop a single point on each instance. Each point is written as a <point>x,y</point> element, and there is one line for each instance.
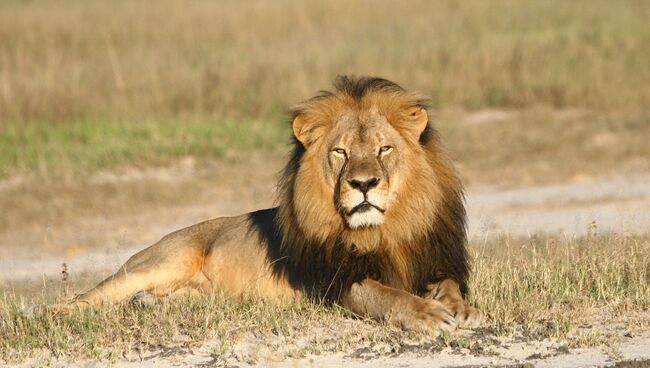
<point>370,214</point>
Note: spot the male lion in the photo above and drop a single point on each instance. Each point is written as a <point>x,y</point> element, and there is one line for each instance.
<point>370,215</point>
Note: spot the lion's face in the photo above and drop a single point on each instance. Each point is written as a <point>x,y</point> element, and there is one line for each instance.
<point>363,158</point>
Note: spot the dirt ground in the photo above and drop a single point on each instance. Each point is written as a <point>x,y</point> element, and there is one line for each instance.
<point>94,237</point>
<point>507,354</point>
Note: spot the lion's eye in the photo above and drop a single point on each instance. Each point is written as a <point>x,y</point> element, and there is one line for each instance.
<point>339,152</point>
<point>385,150</point>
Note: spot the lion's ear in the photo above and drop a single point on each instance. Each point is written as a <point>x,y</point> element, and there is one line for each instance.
<point>304,130</point>
<point>416,121</point>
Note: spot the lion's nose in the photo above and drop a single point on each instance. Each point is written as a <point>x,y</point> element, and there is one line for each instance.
<point>364,185</point>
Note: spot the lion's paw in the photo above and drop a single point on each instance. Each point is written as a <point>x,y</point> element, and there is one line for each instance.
<point>448,293</point>
<point>427,315</point>
<point>468,316</point>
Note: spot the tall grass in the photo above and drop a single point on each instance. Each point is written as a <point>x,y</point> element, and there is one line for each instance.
<point>78,60</point>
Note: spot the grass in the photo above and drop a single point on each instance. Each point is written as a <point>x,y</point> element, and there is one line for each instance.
<point>564,281</point>
<point>69,61</point>
<point>574,290</point>
<point>88,85</point>
<point>60,151</point>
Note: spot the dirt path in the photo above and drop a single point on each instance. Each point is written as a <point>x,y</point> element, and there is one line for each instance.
<point>570,209</point>
<point>510,355</point>
<point>621,205</point>
<point>516,356</point>
<point>506,353</point>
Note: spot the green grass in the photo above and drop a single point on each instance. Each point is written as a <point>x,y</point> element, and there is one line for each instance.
<point>51,150</point>
<point>535,288</point>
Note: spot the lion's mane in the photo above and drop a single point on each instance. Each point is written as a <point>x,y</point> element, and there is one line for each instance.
<point>423,242</point>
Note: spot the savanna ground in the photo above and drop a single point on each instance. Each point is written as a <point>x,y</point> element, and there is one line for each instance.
<point>121,121</point>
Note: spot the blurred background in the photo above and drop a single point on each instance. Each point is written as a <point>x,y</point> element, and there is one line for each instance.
<point>123,120</point>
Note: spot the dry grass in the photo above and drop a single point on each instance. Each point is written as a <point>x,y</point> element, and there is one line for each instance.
<point>576,290</point>
<point>564,281</point>
<point>65,61</point>
<point>86,85</point>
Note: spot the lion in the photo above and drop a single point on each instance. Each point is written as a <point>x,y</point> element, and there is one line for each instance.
<point>370,215</point>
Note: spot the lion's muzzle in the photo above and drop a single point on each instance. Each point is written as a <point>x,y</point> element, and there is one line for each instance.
<point>362,200</point>
<point>364,185</point>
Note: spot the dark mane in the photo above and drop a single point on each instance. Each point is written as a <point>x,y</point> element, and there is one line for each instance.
<point>326,270</point>
<point>323,273</point>
<point>357,88</point>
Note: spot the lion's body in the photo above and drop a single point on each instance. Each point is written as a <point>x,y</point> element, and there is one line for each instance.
<point>370,214</point>
<point>224,254</point>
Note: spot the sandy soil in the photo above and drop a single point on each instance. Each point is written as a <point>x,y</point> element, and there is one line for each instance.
<point>541,355</point>
<point>614,205</point>
<point>618,205</point>
<point>503,353</point>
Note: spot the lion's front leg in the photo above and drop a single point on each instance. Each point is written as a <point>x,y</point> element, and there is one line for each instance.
<point>448,293</point>
<point>371,298</point>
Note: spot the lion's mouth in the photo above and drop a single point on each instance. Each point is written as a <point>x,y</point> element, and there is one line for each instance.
<point>364,206</point>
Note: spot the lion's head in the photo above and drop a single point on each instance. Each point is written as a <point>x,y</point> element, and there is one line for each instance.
<point>368,179</point>
<point>363,157</point>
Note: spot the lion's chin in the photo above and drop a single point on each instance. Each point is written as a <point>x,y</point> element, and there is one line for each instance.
<point>367,218</point>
